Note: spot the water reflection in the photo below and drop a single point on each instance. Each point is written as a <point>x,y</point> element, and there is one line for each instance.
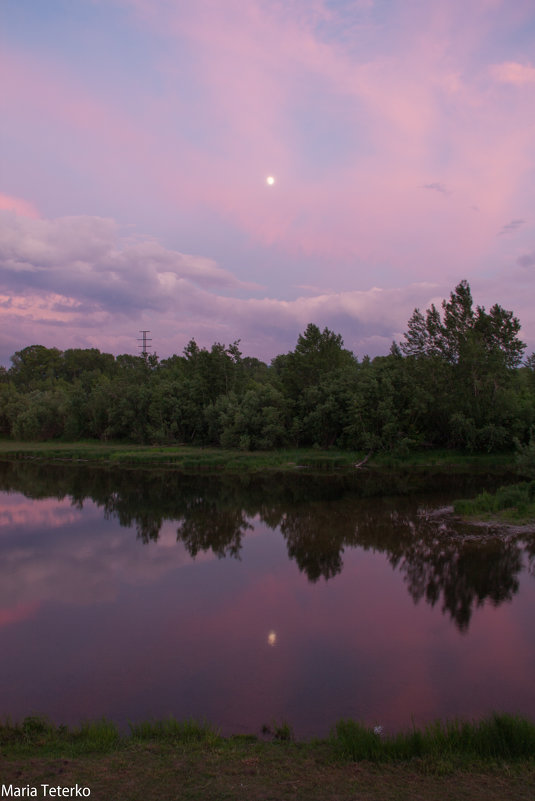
<point>460,576</point>
<point>319,518</point>
<point>247,599</point>
<point>208,528</point>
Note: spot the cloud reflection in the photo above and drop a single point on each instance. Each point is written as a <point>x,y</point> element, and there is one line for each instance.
<point>438,564</point>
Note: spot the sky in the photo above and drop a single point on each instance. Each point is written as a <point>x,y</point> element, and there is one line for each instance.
<point>137,136</point>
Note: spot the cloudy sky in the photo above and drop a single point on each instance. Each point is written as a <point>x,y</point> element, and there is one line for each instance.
<point>137,136</point>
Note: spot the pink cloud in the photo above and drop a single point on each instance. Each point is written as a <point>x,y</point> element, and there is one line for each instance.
<point>418,110</point>
<point>403,111</point>
<point>17,614</point>
<point>18,205</point>
<point>87,256</point>
<point>512,72</point>
<point>68,568</point>
<point>77,282</point>
<point>16,510</point>
<point>255,63</point>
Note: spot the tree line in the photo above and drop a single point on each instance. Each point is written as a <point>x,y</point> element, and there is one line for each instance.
<point>457,380</point>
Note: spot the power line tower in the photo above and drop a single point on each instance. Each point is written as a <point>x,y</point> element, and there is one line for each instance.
<point>144,339</point>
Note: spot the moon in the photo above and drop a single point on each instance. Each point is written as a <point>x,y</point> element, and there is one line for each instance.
<point>270,180</point>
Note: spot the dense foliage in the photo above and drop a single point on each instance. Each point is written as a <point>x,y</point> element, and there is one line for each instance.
<point>457,380</point>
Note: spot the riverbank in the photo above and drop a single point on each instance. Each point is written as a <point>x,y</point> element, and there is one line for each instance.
<point>493,759</point>
<point>249,773</point>
<point>246,768</point>
<point>190,458</point>
<point>511,506</point>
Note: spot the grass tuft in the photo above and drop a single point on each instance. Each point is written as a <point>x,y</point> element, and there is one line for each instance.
<point>185,731</point>
<point>500,737</point>
<point>514,502</point>
<point>100,735</point>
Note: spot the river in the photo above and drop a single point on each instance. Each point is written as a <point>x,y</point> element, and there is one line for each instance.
<point>252,600</point>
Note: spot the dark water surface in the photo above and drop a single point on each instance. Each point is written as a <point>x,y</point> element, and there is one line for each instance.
<point>247,600</point>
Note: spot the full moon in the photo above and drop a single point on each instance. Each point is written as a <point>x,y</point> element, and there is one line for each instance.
<point>270,180</point>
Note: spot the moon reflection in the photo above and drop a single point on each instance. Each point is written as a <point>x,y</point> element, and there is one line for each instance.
<point>272,638</point>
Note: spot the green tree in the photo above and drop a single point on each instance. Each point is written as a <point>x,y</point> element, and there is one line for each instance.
<point>35,367</point>
<point>466,360</point>
<point>42,415</point>
<point>258,420</point>
<point>85,364</point>
<point>460,330</point>
<point>317,354</point>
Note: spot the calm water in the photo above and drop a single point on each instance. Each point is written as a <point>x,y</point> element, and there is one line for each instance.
<point>249,600</point>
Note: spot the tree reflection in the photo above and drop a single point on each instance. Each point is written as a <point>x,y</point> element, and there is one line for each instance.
<point>316,534</point>
<point>529,547</point>
<point>208,528</point>
<point>316,549</point>
<point>318,516</point>
<point>461,575</point>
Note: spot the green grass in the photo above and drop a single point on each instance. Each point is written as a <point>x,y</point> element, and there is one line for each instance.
<point>38,733</point>
<point>494,738</point>
<point>491,760</point>
<point>172,730</point>
<point>514,503</point>
<point>499,737</point>
<point>178,456</point>
<point>197,459</point>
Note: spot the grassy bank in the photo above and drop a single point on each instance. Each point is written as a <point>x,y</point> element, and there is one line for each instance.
<point>511,504</point>
<point>189,458</point>
<point>491,759</point>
